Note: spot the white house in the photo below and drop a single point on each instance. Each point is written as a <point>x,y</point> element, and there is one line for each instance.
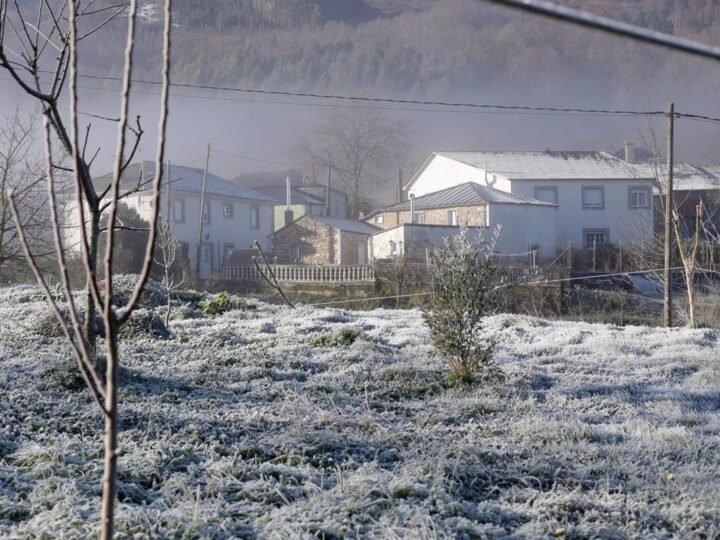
<point>525,224</point>
<point>600,199</point>
<point>234,216</point>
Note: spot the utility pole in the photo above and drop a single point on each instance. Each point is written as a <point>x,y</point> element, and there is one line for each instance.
<point>667,306</point>
<point>202,214</point>
<point>399,195</point>
<point>327,194</point>
<point>168,204</point>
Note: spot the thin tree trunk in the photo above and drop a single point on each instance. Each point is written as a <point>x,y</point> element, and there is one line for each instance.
<point>111,428</point>
<point>90,307</point>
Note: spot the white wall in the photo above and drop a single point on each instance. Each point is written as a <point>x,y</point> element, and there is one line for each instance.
<point>219,231</point>
<point>625,226</point>
<point>442,172</point>
<point>523,225</point>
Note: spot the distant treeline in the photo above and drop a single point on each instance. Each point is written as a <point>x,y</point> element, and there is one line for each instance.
<point>418,47</point>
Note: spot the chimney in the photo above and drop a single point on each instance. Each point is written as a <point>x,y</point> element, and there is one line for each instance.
<point>412,208</point>
<point>288,196</point>
<point>630,152</point>
<point>400,187</point>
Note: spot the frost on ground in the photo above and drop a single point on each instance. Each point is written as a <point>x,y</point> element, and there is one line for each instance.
<point>275,423</point>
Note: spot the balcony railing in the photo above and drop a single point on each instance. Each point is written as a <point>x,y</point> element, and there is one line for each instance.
<point>295,273</point>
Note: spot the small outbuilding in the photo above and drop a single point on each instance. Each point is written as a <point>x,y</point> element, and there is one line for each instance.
<point>321,240</point>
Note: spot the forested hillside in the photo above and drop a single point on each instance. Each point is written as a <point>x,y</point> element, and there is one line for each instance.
<point>417,47</point>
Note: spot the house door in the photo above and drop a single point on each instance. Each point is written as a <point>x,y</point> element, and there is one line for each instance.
<point>362,254</point>
<point>206,253</point>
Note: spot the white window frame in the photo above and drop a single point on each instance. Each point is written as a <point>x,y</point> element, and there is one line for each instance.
<point>178,203</point>
<point>588,189</point>
<point>636,190</point>
<point>379,219</point>
<point>228,209</point>
<point>452,217</point>
<point>420,218</point>
<point>254,218</point>
<point>553,189</point>
<point>590,245</point>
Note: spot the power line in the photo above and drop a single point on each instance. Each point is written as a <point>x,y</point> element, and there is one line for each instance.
<point>239,156</point>
<point>605,24</point>
<point>448,107</point>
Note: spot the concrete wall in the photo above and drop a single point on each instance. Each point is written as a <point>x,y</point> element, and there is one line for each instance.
<point>443,172</point>
<point>221,231</point>
<point>624,225</point>
<point>522,226</point>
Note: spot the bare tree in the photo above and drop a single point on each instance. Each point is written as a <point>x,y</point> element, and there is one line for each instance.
<point>104,390</point>
<point>359,145</point>
<point>167,260</point>
<point>40,56</point>
<point>22,173</point>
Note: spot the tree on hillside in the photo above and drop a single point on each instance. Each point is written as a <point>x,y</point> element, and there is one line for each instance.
<point>20,172</point>
<point>61,31</point>
<point>362,147</point>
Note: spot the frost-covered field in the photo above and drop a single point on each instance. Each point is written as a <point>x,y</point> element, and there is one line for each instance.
<point>239,427</point>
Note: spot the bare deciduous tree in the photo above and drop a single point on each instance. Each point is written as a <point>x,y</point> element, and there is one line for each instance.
<point>22,173</point>
<point>40,56</point>
<point>359,145</point>
<point>167,260</point>
<point>104,390</point>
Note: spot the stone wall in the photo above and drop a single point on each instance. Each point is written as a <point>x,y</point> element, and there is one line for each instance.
<point>349,247</point>
<point>316,239</point>
<point>472,216</point>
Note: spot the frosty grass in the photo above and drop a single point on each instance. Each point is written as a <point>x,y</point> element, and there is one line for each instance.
<point>238,427</point>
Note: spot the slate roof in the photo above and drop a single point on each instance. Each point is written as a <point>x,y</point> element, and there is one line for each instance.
<point>467,194</point>
<point>279,194</point>
<point>188,179</point>
<point>347,225</point>
<point>688,177</point>
<point>551,165</point>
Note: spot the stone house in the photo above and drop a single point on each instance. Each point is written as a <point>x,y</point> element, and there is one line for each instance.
<point>320,240</point>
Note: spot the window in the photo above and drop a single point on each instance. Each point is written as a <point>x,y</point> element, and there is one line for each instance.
<point>206,214</point>
<point>639,197</point>
<point>420,217</point>
<point>547,194</point>
<point>594,238</point>
<point>452,216</point>
<point>228,209</point>
<point>179,210</point>
<point>380,218</point>
<point>296,253</point>
<point>254,217</point>
<point>183,251</point>
<point>392,247</point>
<point>593,197</point>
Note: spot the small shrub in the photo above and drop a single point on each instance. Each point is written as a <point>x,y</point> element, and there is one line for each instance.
<point>144,323</point>
<point>221,303</point>
<point>342,338</point>
<point>462,276</point>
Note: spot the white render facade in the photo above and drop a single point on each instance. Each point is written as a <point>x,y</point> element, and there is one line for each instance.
<point>235,217</point>
<point>601,199</point>
<point>522,229</point>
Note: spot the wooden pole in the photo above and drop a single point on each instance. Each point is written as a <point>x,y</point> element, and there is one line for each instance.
<point>667,305</point>
<point>202,214</point>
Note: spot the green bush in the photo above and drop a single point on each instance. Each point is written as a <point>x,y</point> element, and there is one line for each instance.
<point>462,276</point>
<point>221,303</point>
<point>342,338</point>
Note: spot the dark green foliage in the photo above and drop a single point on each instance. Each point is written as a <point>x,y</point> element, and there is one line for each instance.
<point>462,275</point>
<point>221,303</point>
<point>144,323</point>
<point>342,338</point>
